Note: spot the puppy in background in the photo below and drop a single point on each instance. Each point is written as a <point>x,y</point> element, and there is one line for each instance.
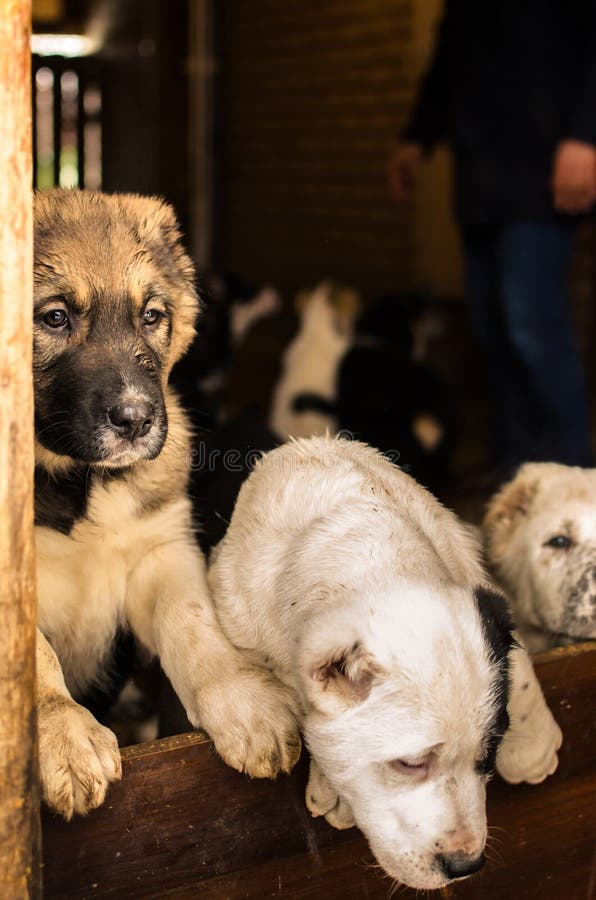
<point>114,309</point>
<point>366,598</point>
<point>540,533</point>
<point>232,307</point>
<point>374,386</point>
<point>310,361</point>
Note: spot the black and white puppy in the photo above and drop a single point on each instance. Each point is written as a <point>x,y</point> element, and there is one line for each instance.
<point>366,597</point>
<point>370,383</point>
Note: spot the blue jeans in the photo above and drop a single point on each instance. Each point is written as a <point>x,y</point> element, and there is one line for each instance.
<point>520,312</point>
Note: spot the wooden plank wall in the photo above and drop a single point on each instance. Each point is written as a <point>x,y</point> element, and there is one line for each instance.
<point>182,824</point>
<point>313,94</point>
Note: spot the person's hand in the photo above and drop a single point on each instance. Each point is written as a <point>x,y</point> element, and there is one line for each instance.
<point>574,177</point>
<point>403,167</point>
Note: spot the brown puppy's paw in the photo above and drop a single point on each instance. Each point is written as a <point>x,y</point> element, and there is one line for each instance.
<point>78,756</point>
<point>252,718</point>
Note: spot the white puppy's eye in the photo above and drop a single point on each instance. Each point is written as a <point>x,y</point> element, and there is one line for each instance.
<point>559,542</point>
<point>411,766</point>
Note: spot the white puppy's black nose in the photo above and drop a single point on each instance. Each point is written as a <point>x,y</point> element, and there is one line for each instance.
<point>132,419</point>
<point>459,865</point>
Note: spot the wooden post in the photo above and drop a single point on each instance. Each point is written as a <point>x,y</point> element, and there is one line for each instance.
<point>19,795</point>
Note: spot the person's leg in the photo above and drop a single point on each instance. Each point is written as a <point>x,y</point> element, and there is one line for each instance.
<point>510,438</point>
<point>533,262</point>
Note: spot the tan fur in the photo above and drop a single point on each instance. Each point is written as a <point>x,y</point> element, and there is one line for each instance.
<point>129,557</point>
<point>344,301</point>
<point>507,508</point>
<point>118,255</point>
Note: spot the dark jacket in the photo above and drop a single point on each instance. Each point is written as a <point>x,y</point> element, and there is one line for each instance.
<point>508,81</point>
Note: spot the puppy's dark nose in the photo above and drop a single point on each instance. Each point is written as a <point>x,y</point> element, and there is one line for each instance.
<point>133,419</point>
<point>459,865</point>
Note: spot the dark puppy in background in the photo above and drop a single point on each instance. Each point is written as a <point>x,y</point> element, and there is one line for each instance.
<point>232,307</point>
<point>382,390</point>
<point>114,309</point>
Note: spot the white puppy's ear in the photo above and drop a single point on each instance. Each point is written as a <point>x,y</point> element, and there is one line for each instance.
<point>343,677</point>
<point>507,508</point>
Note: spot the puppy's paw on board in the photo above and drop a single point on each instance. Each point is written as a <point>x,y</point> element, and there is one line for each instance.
<point>323,800</point>
<point>78,756</point>
<point>528,751</point>
<point>252,718</point>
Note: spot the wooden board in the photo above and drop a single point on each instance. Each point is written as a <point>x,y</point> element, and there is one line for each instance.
<point>181,824</point>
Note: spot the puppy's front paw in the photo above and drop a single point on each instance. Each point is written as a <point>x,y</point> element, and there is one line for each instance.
<point>323,800</point>
<point>252,718</point>
<point>528,751</point>
<point>78,757</point>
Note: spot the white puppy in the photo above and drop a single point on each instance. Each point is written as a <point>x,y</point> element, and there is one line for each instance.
<point>366,597</point>
<point>541,544</point>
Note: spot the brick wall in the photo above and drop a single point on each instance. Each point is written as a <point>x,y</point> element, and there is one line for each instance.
<point>313,94</point>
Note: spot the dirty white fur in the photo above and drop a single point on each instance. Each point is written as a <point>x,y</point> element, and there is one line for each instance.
<point>552,588</point>
<point>334,554</point>
<point>122,564</point>
<point>309,365</point>
<point>529,749</point>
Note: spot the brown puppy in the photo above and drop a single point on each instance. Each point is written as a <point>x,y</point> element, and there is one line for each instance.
<point>114,310</point>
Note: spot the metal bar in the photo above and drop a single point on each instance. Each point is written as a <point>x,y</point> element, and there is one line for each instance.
<point>81,119</point>
<point>57,70</point>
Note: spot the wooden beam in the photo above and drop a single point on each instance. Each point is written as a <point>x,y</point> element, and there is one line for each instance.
<point>19,802</point>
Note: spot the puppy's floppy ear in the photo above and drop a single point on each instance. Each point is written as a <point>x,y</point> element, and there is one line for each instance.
<point>507,508</point>
<point>497,623</point>
<point>301,301</point>
<point>155,224</point>
<point>346,305</point>
<point>343,678</point>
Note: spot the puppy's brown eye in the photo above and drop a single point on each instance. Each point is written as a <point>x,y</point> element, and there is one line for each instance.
<point>560,542</point>
<point>152,316</point>
<point>56,318</point>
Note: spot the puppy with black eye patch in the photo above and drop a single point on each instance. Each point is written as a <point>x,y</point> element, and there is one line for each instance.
<point>115,306</point>
<point>368,600</point>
